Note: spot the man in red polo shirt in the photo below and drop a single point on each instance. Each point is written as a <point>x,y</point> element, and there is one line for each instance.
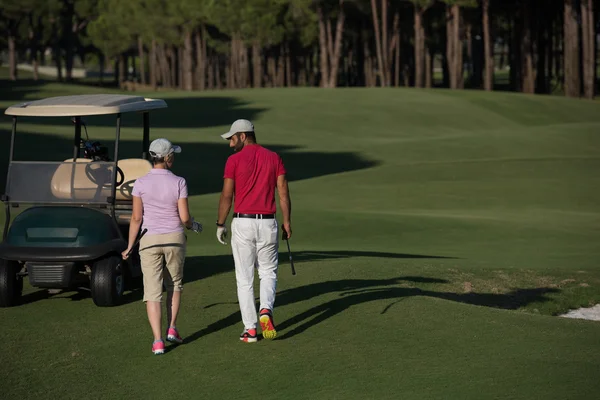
<point>253,173</point>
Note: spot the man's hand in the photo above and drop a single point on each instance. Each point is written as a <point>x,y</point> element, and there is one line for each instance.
<point>287,230</point>
<point>221,234</point>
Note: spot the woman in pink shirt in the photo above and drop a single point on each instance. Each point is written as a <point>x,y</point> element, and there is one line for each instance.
<point>160,205</point>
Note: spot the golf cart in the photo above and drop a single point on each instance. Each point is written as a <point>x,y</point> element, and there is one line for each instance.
<point>76,224</point>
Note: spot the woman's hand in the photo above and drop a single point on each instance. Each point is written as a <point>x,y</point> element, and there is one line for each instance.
<point>125,254</point>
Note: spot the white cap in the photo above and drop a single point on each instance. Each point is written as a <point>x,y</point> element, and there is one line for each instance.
<point>162,148</point>
<point>241,125</point>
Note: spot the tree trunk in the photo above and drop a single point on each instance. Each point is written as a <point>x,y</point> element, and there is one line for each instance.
<point>164,66</point>
<point>384,42</point>
<point>541,76</point>
<point>515,52</point>
<point>210,78</point>
<point>142,61</point>
<point>469,40</point>
<point>200,72</point>
<point>188,71</point>
<point>398,60</point>
<point>122,69</point>
<point>218,82</point>
<point>172,67</point>
<point>281,67</point>
<point>392,48</point>
<point>69,37</point>
<point>367,64</point>
<point>454,47</point>
<point>419,46</point>
<point>271,71</point>
<point>571,50</point>
<point>257,65</point>
<point>589,45</point>
<point>323,49</point>
<point>488,82</point>
<point>527,74</point>
<point>33,48</point>
<point>550,54</point>
<point>339,30</point>
<point>288,66</point>
<point>152,63</point>
<point>101,62</point>
<point>378,44</point>
<point>245,67</point>
<point>428,69</point>
<point>458,52</point>
<point>203,64</point>
<point>229,72</point>
<point>12,58</point>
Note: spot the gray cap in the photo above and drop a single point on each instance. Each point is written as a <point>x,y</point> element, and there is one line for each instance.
<point>162,148</point>
<point>240,125</point>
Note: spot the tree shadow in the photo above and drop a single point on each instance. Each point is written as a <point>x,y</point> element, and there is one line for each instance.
<point>353,292</point>
<point>315,315</point>
<point>21,89</point>
<point>202,164</point>
<point>202,267</point>
<point>310,255</point>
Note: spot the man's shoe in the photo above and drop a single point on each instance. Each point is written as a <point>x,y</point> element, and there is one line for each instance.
<point>173,336</point>
<point>248,336</point>
<point>158,347</point>
<point>267,325</point>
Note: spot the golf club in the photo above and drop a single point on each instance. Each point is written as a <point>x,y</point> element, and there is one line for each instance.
<point>284,237</point>
<point>137,241</point>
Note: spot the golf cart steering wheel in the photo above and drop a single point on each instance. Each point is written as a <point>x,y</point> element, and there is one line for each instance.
<point>93,175</point>
<point>120,177</point>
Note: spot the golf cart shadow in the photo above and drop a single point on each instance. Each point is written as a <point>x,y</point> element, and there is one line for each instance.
<point>131,295</point>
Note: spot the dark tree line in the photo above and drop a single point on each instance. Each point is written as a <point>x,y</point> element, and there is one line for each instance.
<point>540,46</point>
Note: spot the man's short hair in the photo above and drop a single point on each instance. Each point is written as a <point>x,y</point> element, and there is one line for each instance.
<point>250,135</point>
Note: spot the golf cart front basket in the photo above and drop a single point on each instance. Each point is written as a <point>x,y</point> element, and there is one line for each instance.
<point>76,220</point>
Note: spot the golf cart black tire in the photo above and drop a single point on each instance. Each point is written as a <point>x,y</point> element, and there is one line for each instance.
<point>11,284</point>
<point>103,282</point>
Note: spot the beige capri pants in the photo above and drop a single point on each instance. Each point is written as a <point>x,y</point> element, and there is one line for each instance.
<point>162,257</point>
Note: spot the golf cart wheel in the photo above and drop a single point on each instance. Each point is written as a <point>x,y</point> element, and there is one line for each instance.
<point>108,281</point>
<point>11,284</point>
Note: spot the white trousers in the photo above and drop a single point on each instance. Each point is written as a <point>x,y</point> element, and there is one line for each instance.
<point>255,244</point>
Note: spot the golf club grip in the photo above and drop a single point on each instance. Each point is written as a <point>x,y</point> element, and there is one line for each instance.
<point>137,241</point>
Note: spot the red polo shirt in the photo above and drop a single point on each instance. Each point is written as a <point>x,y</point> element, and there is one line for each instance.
<point>254,171</point>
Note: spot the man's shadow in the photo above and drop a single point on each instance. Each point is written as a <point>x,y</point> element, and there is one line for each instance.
<point>357,291</point>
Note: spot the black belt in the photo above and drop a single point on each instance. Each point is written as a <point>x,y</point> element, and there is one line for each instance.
<point>255,216</point>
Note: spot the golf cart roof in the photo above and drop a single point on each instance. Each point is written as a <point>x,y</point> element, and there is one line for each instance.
<point>80,105</point>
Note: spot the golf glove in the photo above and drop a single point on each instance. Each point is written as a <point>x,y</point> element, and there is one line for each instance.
<point>196,227</point>
<point>221,234</point>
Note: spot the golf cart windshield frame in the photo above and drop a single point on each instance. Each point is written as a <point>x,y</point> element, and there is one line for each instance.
<point>110,200</point>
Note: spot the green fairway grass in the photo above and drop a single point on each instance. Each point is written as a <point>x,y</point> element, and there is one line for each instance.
<point>437,236</point>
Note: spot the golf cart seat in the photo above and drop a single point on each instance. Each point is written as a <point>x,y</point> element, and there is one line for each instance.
<point>133,168</point>
<point>87,180</point>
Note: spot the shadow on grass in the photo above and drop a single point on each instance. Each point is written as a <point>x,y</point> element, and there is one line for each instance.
<point>202,164</point>
<point>353,292</point>
<point>315,315</point>
<point>202,267</point>
<point>350,292</point>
